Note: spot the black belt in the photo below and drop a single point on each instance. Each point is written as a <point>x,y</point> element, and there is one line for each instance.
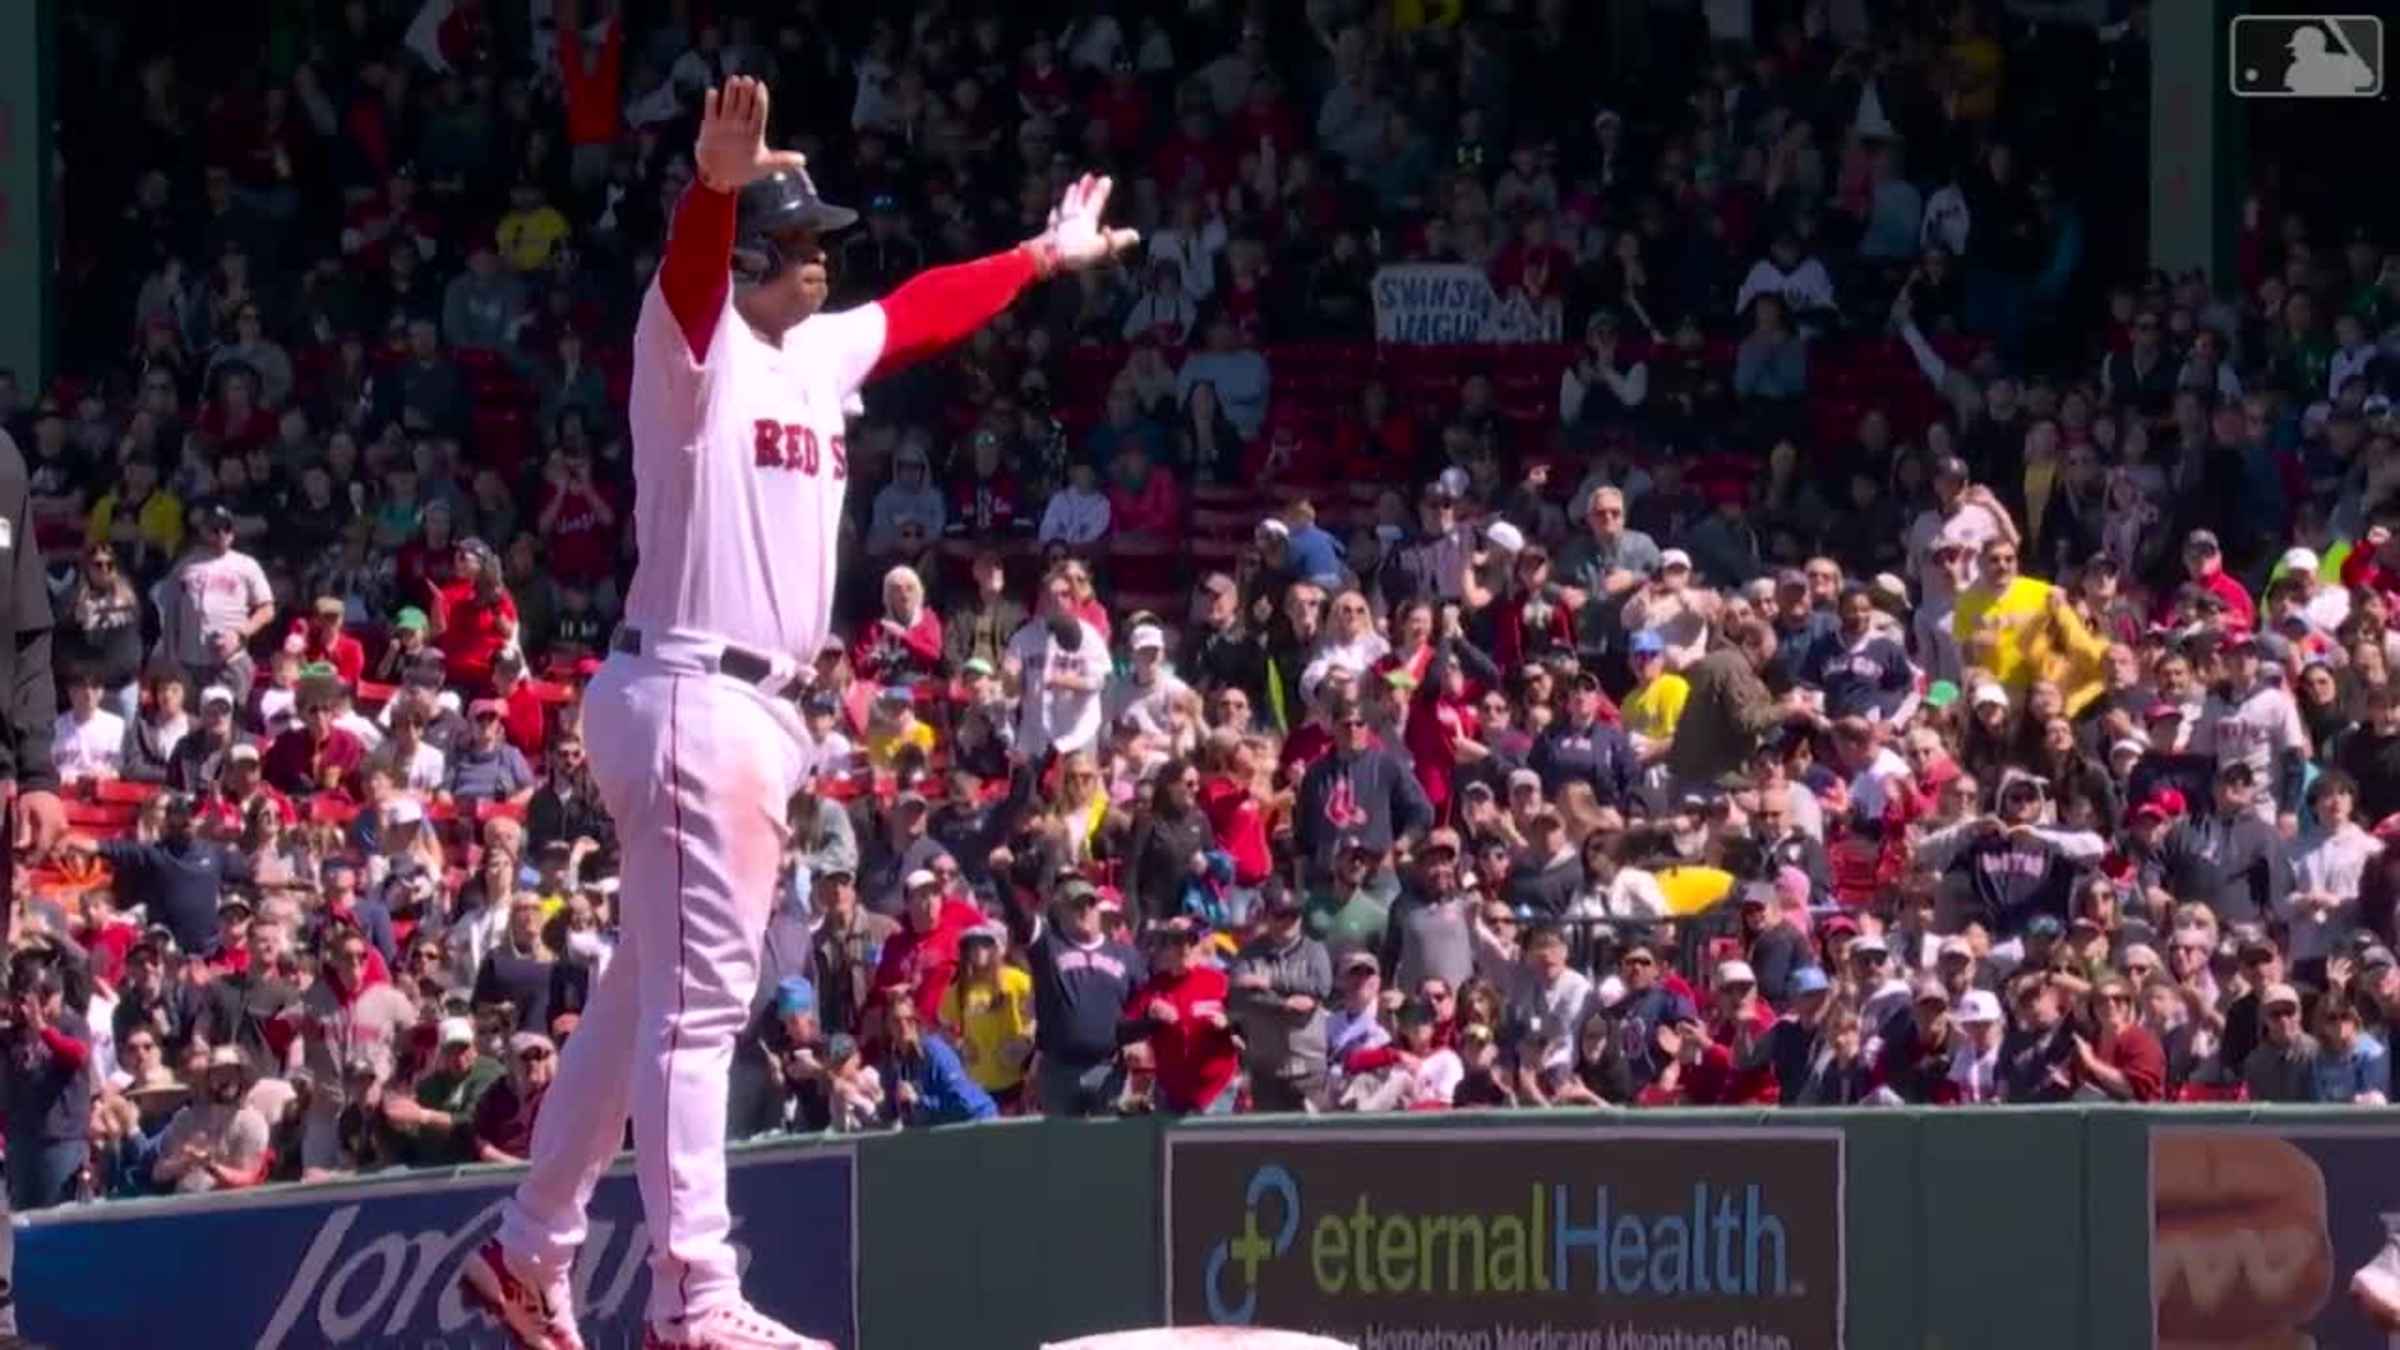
<point>733,662</point>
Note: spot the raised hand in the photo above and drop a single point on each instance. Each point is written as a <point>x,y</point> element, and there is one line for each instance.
<point>731,151</point>
<point>1076,238</point>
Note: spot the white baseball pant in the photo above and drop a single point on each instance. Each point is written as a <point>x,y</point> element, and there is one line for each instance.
<point>695,769</point>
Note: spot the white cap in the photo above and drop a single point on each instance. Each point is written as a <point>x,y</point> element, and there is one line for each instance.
<point>2130,745</point>
<point>457,1031</point>
<point>1274,525</point>
<point>1987,692</point>
<point>1978,1005</point>
<point>920,877</point>
<point>1674,557</point>
<point>1454,481</point>
<point>2299,559</point>
<point>1735,972</point>
<point>448,701</point>
<point>1505,537</point>
<point>1148,638</point>
<point>1890,585</point>
<point>216,693</point>
<point>242,750</point>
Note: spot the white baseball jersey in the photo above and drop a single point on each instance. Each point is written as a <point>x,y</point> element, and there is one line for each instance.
<point>742,466</point>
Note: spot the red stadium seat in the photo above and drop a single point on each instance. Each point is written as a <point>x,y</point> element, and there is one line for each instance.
<point>499,810</point>
<point>123,791</point>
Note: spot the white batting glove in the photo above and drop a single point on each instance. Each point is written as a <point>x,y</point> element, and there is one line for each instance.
<point>1076,239</point>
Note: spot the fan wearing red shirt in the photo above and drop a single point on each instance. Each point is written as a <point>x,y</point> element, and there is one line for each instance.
<point>2204,562</point>
<point>1191,158</point>
<point>577,519</point>
<point>315,754</point>
<point>1142,497</point>
<point>1266,117</point>
<point>923,956</point>
<point>106,935</point>
<point>1733,1071</point>
<point>1042,87</point>
<point>474,618</point>
<point>371,227</point>
<point>1375,439</point>
<point>906,643</point>
<point>1180,1012</point>
<point>1233,810</point>
<point>1122,105</point>
<point>322,640</point>
<point>234,421</point>
<point>2125,1062</point>
<point>225,809</point>
<point>1441,717</point>
<point>526,715</point>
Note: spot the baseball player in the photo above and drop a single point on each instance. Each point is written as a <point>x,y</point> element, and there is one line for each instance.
<point>696,742</point>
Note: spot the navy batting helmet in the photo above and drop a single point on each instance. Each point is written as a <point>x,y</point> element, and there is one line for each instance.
<point>775,207</point>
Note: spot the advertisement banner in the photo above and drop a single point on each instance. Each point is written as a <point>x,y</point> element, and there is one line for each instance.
<point>2275,1236</point>
<point>376,1264</point>
<point>1511,1239</point>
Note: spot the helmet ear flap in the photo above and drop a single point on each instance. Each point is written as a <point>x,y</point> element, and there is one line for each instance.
<point>756,259</point>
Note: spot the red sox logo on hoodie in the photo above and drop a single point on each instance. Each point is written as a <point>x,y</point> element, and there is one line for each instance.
<point>1341,804</point>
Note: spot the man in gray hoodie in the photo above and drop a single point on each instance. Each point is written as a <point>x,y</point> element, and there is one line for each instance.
<point>485,306</point>
<point>1280,983</point>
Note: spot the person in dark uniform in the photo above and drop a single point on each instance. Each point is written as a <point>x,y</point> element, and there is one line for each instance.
<point>28,708</point>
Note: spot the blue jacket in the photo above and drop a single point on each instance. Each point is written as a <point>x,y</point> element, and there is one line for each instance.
<point>2339,1078</point>
<point>1598,754</point>
<point>945,1095</point>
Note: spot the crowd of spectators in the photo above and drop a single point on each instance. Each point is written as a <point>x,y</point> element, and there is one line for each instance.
<point>1890,648</point>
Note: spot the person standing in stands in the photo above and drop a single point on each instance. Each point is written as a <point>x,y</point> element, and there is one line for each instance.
<point>216,600</point>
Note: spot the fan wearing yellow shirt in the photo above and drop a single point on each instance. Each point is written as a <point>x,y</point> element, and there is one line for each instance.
<point>2019,629</point>
<point>1655,705</point>
<point>531,230</point>
<point>893,729</point>
<point>988,1010</point>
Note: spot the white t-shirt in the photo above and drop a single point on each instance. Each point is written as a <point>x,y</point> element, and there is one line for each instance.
<point>370,736</point>
<point>426,771</point>
<point>210,596</point>
<point>90,748</point>
<point>1437,1078</point>
<point>1152,706</point>
<point>1064,720</point>
<point>2252,732</point>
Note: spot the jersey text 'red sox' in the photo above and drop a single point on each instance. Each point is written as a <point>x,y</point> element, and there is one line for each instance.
<point>739,443</point>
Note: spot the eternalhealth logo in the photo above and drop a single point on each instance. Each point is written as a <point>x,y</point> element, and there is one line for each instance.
<point>1552,1238</point>
<point>1259,1242</point>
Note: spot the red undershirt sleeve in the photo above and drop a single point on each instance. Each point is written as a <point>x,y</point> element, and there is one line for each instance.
<point>698,267</point>
<point>939,308</point>
<point>71,1052</point>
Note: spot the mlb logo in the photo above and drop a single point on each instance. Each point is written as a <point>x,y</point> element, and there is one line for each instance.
<point>2307,56</point>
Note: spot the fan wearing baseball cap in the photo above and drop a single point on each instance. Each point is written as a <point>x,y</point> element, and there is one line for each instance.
<point>1181,1011</point>
<point>2014,866</point>
<point>922,957</point>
